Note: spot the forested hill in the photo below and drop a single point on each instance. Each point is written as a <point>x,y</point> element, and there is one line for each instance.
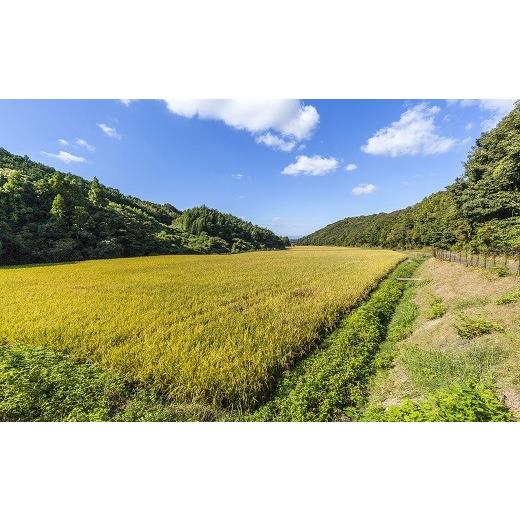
<point>50,216</point>
<point>479,211</point>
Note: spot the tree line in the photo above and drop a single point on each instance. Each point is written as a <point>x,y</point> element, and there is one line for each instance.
<point>479,212</point>
<point>50,216</point>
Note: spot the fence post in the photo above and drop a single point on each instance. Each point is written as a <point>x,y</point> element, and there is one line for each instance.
<point>485,260</point>
<point>466,258</point>
<point>505,260</point>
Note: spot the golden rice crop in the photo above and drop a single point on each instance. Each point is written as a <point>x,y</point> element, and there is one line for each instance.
<point>215,329</point>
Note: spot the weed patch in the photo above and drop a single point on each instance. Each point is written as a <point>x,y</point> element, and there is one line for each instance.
<point>470,327</point>
<point>501,271</point>
<point>509,297</point>
<point>430,370</point>
<point>465,402</point>
<point>39,384</point>
<point>436,308</point>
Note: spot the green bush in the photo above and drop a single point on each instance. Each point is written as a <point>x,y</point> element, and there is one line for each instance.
<point>509,297</point>
<point>436,308</point>
<point>467,402</point>
<point>470,327</point>
<point>501,271</point>
<point>39,384</point>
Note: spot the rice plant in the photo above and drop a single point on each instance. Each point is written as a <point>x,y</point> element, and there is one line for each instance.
<point>215,329</point>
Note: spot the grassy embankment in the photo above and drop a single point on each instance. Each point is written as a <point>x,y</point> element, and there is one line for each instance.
<point>453,349</point>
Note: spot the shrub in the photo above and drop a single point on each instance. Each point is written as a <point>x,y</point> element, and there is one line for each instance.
<point>39,384</point>
<point>436,308</point>
<point>501,271</point>
<point>466,402</point>
<point>509,297</point>
<point>470,327</point>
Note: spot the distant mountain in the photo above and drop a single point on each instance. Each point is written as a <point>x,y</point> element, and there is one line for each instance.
<point>50,216</point>
<point>479,211</point>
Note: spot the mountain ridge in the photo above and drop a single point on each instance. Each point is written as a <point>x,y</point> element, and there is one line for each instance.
<point>50,216</point>
<point>480,210</point>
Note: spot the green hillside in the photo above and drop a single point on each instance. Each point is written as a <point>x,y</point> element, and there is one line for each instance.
<point>480,210</point>
<point>50,216</point>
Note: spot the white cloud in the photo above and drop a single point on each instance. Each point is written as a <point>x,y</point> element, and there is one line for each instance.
<point>110,131</point>
<point>290,118</point>
<point>65,157</point>
<point>498,108</point>
<point>126,102</point>
<point>63,142</point>
<point>313,166</point>
<point>84,144</point>
<point>363,189</point>
<point>351,167</point>
<point>468,127</point>
<point>414,133</point>
<point>464,103</point>
<point>237,176</point>
<point>273,141</point>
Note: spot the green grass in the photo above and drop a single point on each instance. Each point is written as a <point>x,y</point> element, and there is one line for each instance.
<point>461,402</point>
<point>331,383</point>
<point>470,327</point>
<point>399,328</point>
<point>431,370</point>
<point>466,303</point>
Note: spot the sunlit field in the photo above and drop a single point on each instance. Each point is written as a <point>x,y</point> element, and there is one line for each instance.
<point>215,329</point>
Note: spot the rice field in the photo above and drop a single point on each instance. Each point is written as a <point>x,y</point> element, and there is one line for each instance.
<point>215,329</point>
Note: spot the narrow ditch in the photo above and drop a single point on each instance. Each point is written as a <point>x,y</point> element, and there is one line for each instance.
<point>330,383</point>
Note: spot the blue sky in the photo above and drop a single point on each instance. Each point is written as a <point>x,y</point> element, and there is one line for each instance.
<point>290,165</point>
